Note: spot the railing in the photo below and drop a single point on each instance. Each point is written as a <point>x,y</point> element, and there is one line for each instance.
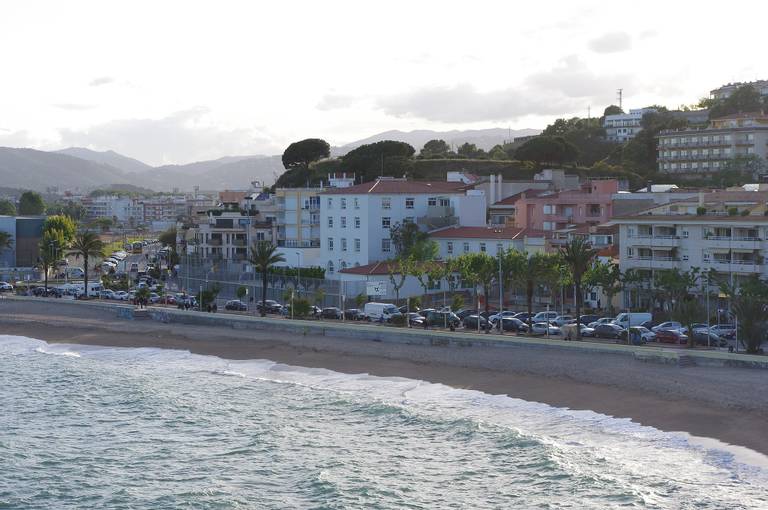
<point>294,243</point>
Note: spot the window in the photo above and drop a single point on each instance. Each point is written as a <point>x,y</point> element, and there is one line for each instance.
<point>343,222</point>
<point>408,219</point>
<point>386,221</point>
<point>630,252</point>
<point>431,201</point>
<point>343,203</point>
<point>466,247</point>
<point>357,204</point>
<point>330,266</point>
<point>499,248</point>
<point>449,247</point>
<point>343,244</point>
<point>482,247</point>
<point>444,202</point>
<point>330,244</point>
<point>357,244</point>
<point>409,203</point>
<point>386,203</point>
<point>330,203</point>
<point>547,209</point>
<point>357,221</point>
<point>386,245</point>
<point>260,236</point>
<point>330,221</point>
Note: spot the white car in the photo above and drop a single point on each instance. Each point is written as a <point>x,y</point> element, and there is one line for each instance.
<point>121,295</point>
<point>604,320</point>
<point>544,328</point>
<point>505,314</point>
<point>6,287</point>
<point>107,294</point>
<point>668,326</point>
<point>562,320</point>
<point>723,330</point>
<point>545,316</point>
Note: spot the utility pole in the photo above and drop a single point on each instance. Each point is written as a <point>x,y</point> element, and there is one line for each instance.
<point>619,95</point>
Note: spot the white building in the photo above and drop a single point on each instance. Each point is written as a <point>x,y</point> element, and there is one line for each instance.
<point>355,222</point>
<point>761,86</point>
<point>725,231</point>
<point>622,127</point>
<point>456,241</point>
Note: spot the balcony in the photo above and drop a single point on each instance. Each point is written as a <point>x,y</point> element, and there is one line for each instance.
<point>735,266</point>
<point>214,241</point>
<point>733,243</point>
<point>431,222</point>
<point>295,243</point>
<point>656,262</point>
<point>238,242</point>
<point>662,241</point>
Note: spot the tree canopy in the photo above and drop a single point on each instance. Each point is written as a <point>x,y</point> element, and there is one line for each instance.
<point>7,208</point>
<point>639,154</point>
<point>64,225</point>
<point>547,149</point>
<point>31,203</point>
<point>386,157</point>
<point>435,149</point>
<point>587,135</point>
<point>744,99</point>
<point>612,110</point>
<point>305,152</point>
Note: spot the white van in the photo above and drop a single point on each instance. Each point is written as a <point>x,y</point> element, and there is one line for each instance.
<point>545,316</point>
<point>627,320</point>
<point>380,311</point>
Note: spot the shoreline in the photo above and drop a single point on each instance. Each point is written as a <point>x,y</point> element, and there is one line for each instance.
<point>569,382</point>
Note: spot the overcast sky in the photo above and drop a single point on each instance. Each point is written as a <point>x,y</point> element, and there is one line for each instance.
<point>178,81</point>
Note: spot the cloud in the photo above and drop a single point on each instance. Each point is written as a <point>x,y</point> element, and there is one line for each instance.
<point>181,137</point>
<point>611,42</point>
<point>74,106</point>
<point>20,138</point>
<point>336,101</point>
<point>567,88</point>
<point>101,80</point>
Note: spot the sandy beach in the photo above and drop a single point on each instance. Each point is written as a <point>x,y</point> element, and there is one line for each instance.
<point>727,404</point>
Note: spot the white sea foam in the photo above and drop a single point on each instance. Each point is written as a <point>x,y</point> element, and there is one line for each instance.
<point>572,435</point>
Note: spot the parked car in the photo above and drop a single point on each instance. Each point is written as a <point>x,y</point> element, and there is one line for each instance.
<point>354,314</point>
<point>331,313</point>
<point>380,311</point>
<point>466,312</point>
<point>588,319</point>
<point>512,324</point>
<point>236,305</point>
<point>406,309</point>
<point>470,322</point>
<point>493,318</point>
<point>425,311</point>
<point>545,328</point>
<point>562,320</point>
<point>523,316</point>
<point>602,320</point>
<point>627,319</point>
<point>154,297</point>
<point>704,337</point>
<point>667,326</point>
<point>545,316</point>
<point>723,330</point>
<point>120,295</point>
<point>442,319</point>
<point>638,335</point>
<point>107,294</point>
<point>415,319</point>
<point>270,306</point>
<point>608,331</point>
<point>569,331</point>
<point>671,336</point>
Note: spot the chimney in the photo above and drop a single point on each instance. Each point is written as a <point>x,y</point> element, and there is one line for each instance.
<point>492,193</point>
<point>499,190</point>
<point>649,186</point>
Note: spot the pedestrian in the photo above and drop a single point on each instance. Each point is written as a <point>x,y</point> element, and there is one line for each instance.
<point>215,308</point>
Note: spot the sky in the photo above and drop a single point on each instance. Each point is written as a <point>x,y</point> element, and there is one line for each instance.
<point>180,81</point>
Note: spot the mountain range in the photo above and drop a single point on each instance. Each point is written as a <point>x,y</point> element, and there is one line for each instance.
<point>78,168</point>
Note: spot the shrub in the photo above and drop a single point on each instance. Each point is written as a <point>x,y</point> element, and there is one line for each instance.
<point>301,307</point>
<point>241,292</point>
<point>458,302</point>
<point>398,320</point>
<point>745,212</point>
<point>732,211</point>
<point>701,211</point>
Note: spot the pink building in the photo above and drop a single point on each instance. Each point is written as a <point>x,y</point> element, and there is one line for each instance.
<point>590,204</point>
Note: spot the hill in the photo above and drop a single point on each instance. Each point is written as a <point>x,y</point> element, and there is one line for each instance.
<point>38,170</point>
<point>111,158</point>
<point>224,173</point>
<point>485,139</point>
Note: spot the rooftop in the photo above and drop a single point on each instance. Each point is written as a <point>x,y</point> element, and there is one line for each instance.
<point>505,232</point>
<point>392,186</point>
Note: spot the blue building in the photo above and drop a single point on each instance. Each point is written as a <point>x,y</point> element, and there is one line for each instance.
<point>26,232</point>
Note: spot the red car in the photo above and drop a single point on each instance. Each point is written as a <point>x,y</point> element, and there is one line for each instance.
<point>671,336</point>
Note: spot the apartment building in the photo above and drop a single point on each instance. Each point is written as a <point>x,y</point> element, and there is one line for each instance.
<point>355,222</point>
<point>298,225</point>
<point>590,204</point>
<point>25,232</point>
<point>458,240</point>
<point>726,90</point>
<point>622,127</point>
<point>700,151</point>
<point>725,231</point>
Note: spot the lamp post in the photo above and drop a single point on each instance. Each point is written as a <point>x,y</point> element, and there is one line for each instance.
<point>298,270</point>
<point>501,299</point>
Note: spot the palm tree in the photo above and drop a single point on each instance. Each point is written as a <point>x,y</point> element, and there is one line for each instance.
<point>86,245</point>
<point>530,270</point>
<point>578,256</point>
<point>263,257</point>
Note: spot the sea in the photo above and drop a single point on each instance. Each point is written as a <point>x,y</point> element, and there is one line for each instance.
<point>86,427</point>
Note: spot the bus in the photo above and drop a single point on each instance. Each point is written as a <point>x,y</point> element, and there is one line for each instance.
<point>137,247</point>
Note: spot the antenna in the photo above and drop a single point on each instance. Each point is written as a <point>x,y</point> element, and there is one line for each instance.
<point>619,94</point>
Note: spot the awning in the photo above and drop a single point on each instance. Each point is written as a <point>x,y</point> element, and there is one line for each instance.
<point>737,250</point>
<point>719,250</point>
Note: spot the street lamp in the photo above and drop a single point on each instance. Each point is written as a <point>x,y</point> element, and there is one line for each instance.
<point>298,271</point>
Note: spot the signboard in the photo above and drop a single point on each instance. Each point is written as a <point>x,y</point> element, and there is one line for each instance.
<point>376,288</point>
